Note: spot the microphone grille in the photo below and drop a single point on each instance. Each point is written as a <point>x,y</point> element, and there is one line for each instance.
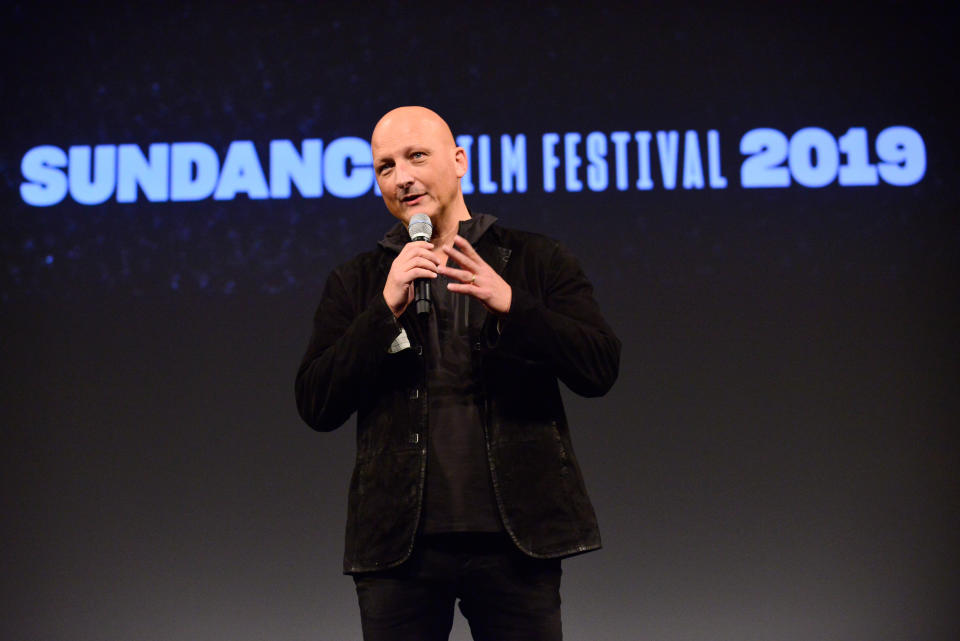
<point>420,227</point>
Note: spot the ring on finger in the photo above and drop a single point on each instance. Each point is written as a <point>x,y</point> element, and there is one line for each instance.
<point>473,281</point>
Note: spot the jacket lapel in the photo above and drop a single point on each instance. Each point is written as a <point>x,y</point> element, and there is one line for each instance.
<point>497,257</point>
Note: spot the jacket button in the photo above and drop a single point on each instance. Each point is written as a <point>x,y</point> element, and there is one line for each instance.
<point>476,346</point>
<point>414,438</point>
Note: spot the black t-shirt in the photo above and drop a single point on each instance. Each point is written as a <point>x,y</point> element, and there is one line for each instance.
<point>459,493</point>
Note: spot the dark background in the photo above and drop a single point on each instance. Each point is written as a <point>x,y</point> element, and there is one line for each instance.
<point>778,460</point>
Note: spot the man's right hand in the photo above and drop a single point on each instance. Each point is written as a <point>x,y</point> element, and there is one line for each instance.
<point>416,260</point>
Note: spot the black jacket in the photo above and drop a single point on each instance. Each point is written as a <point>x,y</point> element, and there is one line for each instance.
<point>554,330</point>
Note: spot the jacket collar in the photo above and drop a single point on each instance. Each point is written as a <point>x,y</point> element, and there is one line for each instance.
<point>472,229</point>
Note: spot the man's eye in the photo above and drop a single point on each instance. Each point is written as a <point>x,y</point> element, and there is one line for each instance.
<point>417,155</point>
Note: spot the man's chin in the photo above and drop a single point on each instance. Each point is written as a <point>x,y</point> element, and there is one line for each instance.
<point>408,212</point>
<point>404,211</point>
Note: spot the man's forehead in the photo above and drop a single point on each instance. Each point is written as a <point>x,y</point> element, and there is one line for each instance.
<point>402,135</point>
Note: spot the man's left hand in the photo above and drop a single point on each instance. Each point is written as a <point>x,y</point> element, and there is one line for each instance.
<point>476,278</point>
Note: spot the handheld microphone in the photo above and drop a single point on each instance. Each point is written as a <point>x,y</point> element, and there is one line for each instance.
<point>420,228</point>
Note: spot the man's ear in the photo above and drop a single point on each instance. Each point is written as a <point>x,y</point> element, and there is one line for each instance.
<point>461,160</point>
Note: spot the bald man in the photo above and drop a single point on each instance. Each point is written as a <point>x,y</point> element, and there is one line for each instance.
<point>466,486</point>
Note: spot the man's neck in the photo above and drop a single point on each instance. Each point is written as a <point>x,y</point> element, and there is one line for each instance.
<point>446,227</point>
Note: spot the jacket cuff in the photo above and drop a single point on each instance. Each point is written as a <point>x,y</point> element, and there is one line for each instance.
<point>386,325</point>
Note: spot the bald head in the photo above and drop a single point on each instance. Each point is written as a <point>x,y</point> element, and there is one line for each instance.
<point>427,120</point>
<point>419,165</point>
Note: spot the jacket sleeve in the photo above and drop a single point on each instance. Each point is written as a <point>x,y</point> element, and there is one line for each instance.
<point>554,319</point>
<point>349,341</point>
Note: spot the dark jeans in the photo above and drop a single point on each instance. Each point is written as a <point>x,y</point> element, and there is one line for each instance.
<point>504,594</point>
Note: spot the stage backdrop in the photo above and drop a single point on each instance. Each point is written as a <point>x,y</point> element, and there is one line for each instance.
<point>765,200</point>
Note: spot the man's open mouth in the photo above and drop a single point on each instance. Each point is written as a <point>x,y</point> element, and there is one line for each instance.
<point>410,198</point>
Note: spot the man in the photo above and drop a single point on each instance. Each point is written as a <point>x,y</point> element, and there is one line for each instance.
<point>465,484</point>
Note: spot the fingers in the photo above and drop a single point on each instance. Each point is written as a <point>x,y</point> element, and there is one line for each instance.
<point>419,272</point>
<point>495,296</point>
<point>471,264</point>
<point>464,254</point>
<point>415,261</point>
<point>422,263</point>
<point>469,290</point>
<point>461,243</point>
<point>419,249</point>
<point>477,279</point>
<point>463,275</point>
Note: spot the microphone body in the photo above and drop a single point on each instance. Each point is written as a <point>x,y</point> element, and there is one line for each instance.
<point>421,228</point>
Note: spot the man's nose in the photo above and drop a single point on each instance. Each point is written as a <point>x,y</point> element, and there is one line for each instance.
<point>403,177</point>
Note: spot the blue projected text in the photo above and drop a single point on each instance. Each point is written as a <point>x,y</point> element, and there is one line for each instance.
<point>569,162</point>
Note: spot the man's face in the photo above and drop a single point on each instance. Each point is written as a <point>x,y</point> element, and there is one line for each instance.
<point>417,163</point>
